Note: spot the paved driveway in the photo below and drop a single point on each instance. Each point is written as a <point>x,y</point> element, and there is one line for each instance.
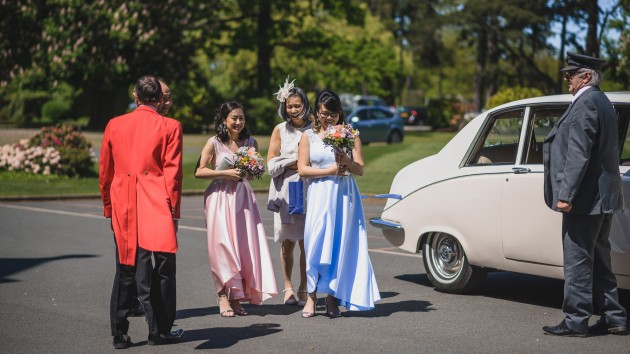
<point>56,269</point>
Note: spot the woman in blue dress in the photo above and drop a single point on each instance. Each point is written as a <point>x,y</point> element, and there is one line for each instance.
<point>335,238</point>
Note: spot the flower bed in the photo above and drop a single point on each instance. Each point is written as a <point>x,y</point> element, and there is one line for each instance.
<point>53,150</point>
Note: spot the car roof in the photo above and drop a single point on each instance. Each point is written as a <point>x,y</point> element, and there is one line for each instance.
<point>361,108</point>
<point>615,97</point>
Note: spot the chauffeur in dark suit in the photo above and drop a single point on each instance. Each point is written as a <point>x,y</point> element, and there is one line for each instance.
<point>581,159</point>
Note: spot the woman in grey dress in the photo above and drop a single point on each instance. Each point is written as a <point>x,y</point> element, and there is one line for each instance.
<point>295,110</point>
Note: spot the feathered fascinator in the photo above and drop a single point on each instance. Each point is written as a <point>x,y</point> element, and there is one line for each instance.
<point>283,92</point>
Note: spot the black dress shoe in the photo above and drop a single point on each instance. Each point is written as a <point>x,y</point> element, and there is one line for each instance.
<point>563,330</point>
<point>601,327</point>
<point>170,338</point>
<point>122,342</point>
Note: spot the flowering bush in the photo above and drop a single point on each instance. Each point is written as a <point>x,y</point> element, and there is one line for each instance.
<point>340,137</point>
<point>34,159</point>
<point>76,152</point>
<point>249,162</point>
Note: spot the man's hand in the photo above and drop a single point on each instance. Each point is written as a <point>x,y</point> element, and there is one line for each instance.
<point>176,224</point>
<point>564,207</point>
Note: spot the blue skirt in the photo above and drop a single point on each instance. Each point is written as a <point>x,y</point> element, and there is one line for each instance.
<point>335,240</point>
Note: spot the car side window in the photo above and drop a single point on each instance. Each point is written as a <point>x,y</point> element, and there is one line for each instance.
<point>364,114</point>
<point>499,142</point>
<point>543,120</point>
<point>379,114</point>
<point>623,114</point>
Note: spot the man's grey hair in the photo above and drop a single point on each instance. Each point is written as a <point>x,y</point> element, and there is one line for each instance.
<point>596,76</point>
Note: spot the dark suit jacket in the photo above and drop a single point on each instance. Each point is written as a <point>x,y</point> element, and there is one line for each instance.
<point>581,157</point>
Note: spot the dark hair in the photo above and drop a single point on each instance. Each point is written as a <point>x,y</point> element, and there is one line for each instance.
<point>332,102</point>
<point>148,89</point>
<point>282,107</point>
<point>222,113</point>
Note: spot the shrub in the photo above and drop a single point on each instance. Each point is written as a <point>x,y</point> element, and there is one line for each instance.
<point>512,94</point>
<point>262,113</point>
<point>32,159</point>
<point>440,112</point>
<point>76,152</point>
<point>55,109</point>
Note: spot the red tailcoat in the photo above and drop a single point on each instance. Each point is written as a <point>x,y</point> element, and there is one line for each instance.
<point>141,181</point>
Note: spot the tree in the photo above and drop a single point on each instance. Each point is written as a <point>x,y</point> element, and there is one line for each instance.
<point>102,47</point>
<point>263,25</point>
<point>507,31</point>
<point>322,44</point>
<point>618,67</point>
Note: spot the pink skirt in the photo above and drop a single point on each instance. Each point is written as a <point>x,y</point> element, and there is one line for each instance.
<point>237,244</point>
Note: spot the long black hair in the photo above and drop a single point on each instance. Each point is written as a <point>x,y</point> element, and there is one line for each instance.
<point>282,107</point>
<point>222,113</point>
<point>332,102</point>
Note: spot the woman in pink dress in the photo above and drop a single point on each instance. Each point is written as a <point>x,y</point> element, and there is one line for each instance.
<point>237,245</point>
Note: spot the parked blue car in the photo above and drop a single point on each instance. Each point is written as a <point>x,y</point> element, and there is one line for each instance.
<point>376,124</point>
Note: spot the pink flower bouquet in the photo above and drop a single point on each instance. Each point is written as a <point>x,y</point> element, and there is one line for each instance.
<point>341,137</point>
<point>249,162</point>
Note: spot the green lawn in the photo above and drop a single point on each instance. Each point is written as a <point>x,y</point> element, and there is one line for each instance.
<point>382,161</point>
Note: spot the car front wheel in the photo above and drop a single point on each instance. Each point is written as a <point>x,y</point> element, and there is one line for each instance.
<point>447,266</point>
<point>395,137</point>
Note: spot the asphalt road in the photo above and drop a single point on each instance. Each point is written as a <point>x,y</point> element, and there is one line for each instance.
<point>57,266</point>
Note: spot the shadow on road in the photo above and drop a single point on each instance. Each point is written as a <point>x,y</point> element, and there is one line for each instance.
<point>517,287</point>
<point>388,294</point>
<point>9,266</point>
<point>386,309</point>
<point>524,288</point>
<point>420,279</point>
<point>253,310</point>
<point>531,289</point>
<point>382,309</point>
<point>225,337</point>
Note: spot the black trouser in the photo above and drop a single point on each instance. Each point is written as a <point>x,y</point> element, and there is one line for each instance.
<point>588,275</point>
<point>156,292</point>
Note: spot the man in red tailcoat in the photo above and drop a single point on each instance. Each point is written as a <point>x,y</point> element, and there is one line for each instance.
<point>141,181</point>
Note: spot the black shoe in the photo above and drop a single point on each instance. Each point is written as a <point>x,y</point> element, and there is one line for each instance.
<point>122,342</point>
<point>170,338</point>
<point>563,330</point>
<point>601,327</point>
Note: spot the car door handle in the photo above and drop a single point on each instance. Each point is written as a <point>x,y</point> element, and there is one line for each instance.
<point>519,170</point>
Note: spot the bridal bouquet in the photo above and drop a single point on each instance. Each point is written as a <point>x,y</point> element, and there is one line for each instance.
<point>341,137</point>
<point>249,162</point>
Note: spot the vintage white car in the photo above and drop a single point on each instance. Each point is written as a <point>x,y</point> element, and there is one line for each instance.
<point>478,204</point>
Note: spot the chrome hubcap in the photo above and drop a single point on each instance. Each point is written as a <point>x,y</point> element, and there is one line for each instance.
<point>447,256</point>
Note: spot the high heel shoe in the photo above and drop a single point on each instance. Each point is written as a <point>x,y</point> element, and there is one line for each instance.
<point>300,302</point>
<point>227,312</point>
<point>290,300</point>
<point>308,314</point>
<point>237,308</point>
<point>332,310</point>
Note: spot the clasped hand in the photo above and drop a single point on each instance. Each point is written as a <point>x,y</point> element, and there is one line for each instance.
<point>343,161</point>
<point>232,174</point>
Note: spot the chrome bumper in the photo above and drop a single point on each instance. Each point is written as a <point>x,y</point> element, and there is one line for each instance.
<point>386,225</point>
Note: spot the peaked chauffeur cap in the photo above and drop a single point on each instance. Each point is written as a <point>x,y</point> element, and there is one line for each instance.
<point>579,61</point>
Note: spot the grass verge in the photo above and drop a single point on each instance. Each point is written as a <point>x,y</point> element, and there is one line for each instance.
<point>382,162</point>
